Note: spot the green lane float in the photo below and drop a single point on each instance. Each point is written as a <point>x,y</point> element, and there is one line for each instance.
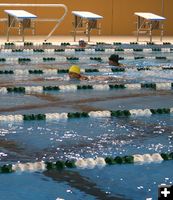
<point>16,90</point>
<point>21,60</point>
<point>49,88</point>
<point>139,57</point>
<point>6,169</point>
<point>28,43</point>
<point>72,58</point>
<point>167,68</point>
<point>99,50</point>
<point>160,111</point>
<point>65,44</point>
<point>166,43</point>
<point>60,164</point>
<point>35,71</point>
<point>78,115</point>
<point>148,85</point>
<point>59,50</point>
<point>100,43</point>
<point>118,49</point>
<point>62,71</point>
<point>70,164</point>
<point>120,113</point>
<point>48,59</point>
<point>99,59</point>
<point>150,43</point>
<point>117,86</point>
<point>132,43</point>
<point>117,43</point>
<point>6,72</point>
<point>17,50</point>
<point>34,117</point>
<point>79,50</point>
<point>156,49</point>
<point>84,87</point>
<point>118,69</point>
<point>160,57</point>
<point>47,43</point>
<point>9,44</point>
<point>38,50</point>
<point>91,70</point>
<point>143,68</point>
<point>137,50</point>
<point>2,59</point>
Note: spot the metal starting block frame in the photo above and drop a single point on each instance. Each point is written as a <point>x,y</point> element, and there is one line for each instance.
<point>84,22</point>
<point>26,23</point>
<point>147,22</point>
<point>20,20</point>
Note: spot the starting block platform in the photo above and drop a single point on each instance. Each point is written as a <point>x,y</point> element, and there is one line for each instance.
<point>21,20</point>
<point>85,22</point>
<point>147,22</point>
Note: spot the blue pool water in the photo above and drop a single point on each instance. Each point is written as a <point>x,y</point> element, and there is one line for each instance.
<point>33,141</point>
<point>108,183</point>
<point>52,140</point>
<point>101,137</point>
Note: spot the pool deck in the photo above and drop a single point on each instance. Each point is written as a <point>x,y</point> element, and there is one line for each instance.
<point>107,39</point>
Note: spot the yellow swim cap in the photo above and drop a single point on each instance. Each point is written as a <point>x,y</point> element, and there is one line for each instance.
<point>75,69</point>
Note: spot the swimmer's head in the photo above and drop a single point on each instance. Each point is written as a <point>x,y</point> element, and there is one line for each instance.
<point>74,69</point>
<point>114,59</point>
<point>74,72</point>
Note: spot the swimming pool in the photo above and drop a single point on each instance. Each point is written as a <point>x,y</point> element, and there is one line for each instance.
<point>97,135</point>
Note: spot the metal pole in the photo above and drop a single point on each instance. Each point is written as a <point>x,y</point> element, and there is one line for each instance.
<point>162,8</point>
<point>161,34</point>
<point>112,17</point>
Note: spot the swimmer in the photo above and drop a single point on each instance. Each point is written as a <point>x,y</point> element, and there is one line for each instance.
<point>114,60</point>
<point>74,73</point>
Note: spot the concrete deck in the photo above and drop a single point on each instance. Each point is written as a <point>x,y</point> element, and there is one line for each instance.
<point>94,39</point>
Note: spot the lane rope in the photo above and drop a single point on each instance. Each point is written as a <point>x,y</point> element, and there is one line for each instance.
<point>91,114</point>
<point>86,163</point>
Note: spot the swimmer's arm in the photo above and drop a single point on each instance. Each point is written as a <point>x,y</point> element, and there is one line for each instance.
<point>96,65</point>
<point>55,78</point>
<point>104,78</point>
<point>83,78</point>
<point>99,78</point>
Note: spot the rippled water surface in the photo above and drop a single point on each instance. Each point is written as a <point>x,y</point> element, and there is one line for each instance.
<point>101,137</point>
<point>53,140</point>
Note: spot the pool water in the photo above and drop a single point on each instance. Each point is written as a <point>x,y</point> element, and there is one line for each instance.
<point>63,139</point>
<point>32,141</point>
<point>101,137</point>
